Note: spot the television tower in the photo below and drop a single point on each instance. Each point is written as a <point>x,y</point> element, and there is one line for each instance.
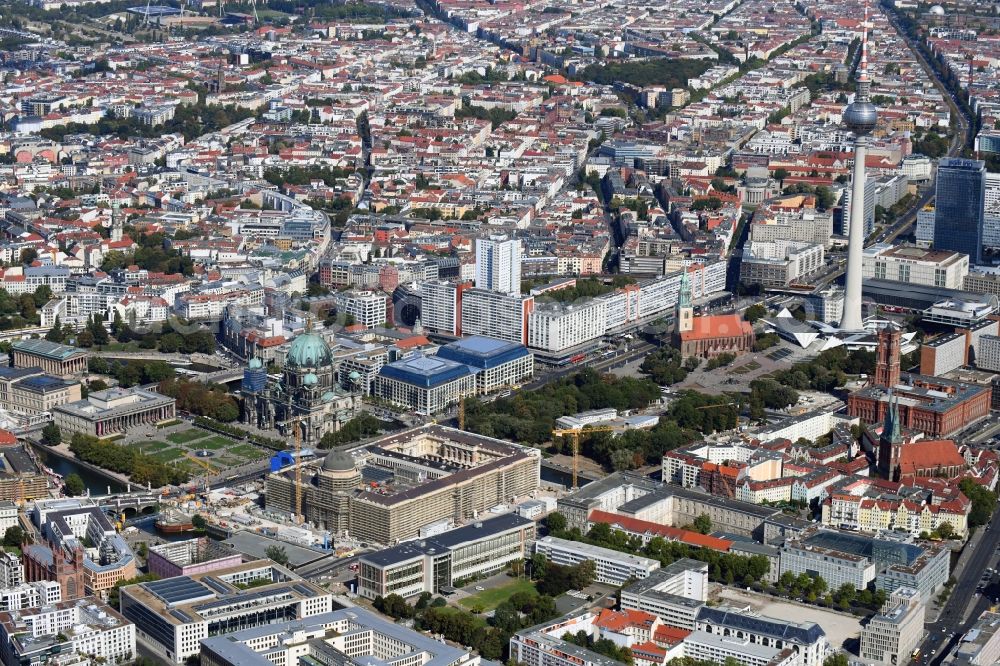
<point>860,117</point>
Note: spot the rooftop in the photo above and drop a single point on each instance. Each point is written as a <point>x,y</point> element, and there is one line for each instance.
<point>482,353</point>
<point>425,371</point>
<point>717,326</point>
<point>50,350</point>
<point>441,543</point>
<point>408,646</point>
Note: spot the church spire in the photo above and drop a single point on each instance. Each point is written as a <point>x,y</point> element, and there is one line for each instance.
<point>684,296</point>
<point>684,319</point>
<point>890,429</point>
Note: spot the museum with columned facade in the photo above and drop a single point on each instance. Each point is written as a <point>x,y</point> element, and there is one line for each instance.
<point>115,410</point>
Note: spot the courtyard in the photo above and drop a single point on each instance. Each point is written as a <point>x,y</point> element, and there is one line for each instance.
<point>842,629</point>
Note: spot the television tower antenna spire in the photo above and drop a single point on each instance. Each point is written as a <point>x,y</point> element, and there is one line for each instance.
<point>861,118</point>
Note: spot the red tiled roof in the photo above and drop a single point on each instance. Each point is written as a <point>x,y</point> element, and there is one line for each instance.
<point>619,621</point>
<point>717,326</point>
<point>670,635</point>
<point>415,341</point>
<point>927,454</point>
<point>637,526</point>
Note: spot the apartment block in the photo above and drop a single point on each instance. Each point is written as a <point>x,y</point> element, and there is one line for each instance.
<point>497,315</point>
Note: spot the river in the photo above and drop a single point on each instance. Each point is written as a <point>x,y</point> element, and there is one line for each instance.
<point>96,483</point>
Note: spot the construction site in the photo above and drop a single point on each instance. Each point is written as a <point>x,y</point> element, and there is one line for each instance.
<point>391,488</point>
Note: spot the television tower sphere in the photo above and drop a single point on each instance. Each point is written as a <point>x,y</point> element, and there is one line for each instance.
<point>861,116</point>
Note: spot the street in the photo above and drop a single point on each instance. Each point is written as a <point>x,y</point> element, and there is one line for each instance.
<point>948,629</point>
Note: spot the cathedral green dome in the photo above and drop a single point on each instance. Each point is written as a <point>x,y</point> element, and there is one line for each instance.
<point>310,379</point>
<point>309,351</point>
<point>255,363</point>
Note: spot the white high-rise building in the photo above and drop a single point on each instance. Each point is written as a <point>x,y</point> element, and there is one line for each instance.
<point>441,306</point>
<point>556,327</point>
<point>498,264</point>
<point>991,211</point>
<point>495,315</point>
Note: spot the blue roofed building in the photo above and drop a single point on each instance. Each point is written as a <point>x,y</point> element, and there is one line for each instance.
<point>425,384</point>
<point>28,394</point>
<point>755,640</point>
<point>497,363</point>
<point>470,366</point>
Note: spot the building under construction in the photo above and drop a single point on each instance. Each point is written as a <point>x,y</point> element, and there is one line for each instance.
<point>21,477</point>
<point>390,488</point>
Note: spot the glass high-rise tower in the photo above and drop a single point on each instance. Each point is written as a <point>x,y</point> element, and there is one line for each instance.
<point>958,207</point>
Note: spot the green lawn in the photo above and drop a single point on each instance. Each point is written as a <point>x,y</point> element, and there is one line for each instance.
<point>212,444</point>
<point>271,14</point>
<point>228,461</point>
<point>168,455</point>
<point>152,446</point>
<point>490,598</point>
<point>185,436</point>
<point>246,451</point>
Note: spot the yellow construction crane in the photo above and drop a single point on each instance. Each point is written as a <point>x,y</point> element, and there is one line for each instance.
<point>574,434</point>
<point>208,468</point>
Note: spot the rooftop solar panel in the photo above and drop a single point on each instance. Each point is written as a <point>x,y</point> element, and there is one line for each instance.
<point>178,590</point>
<point>244,597</point>
<point>216,585</point>
<point>181,615</point>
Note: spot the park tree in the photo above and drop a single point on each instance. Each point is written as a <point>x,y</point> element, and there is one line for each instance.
<point>73,485</point>
<point>95,326</point>
<point>51,435</point>
<point>55,333</point>
<point>28,255</point>
<point>945,530</point>
<point>755,312</point>
<point>984,502</point>
<point>198,521</point>
<point>539,566</point>
<point>27,307</point>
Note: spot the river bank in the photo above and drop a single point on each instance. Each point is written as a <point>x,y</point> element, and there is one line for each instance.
<point>70,462</point>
